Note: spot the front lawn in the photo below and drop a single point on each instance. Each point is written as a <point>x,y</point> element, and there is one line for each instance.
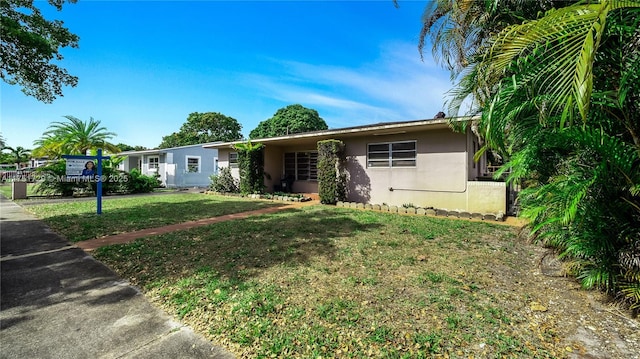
<point>78,221</point>
<point>5,189</point>
<point>324,282</point>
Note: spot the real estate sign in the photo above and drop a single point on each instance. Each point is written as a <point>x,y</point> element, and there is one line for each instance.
<point>75,166</point>
<point>84,166</point>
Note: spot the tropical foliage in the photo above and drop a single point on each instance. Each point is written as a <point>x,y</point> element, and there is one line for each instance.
<point>558,93</point>
<point>53,180</point>
<point>139,183</point>
<point>251,165</point>
<point>18,155</point>
<point>289,120</point>
<point>203,128</point>
<point>74,136</point>
<point>29,47</point>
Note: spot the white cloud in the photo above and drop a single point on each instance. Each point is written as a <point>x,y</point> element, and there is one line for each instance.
<point>397,86</point>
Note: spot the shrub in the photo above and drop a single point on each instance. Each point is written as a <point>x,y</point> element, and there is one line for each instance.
<point>223,182</point>
<point>50,180</point>
<point>251,165</point>
<point>53,180</point>
<point>331,177</point>
<point>139,183</point>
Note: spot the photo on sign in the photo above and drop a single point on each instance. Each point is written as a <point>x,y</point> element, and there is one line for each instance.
<point>81,167</point>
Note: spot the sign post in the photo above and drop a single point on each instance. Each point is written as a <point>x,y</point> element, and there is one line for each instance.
<point>83,166</point>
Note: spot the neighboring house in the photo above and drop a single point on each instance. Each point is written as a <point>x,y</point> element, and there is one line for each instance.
<point>185,166</point>
<point>38,162</point>
<point>423,163</point>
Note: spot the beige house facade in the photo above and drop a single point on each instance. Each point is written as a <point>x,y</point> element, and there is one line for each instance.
<point>424,163</point>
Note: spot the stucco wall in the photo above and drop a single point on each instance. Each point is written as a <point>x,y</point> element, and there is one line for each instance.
<point>444,175</point>
<point>172,166</point>
<point>223,161</point>
<point>440,179</point>
<point>486,197</point>
<point>441,163</point>
<point>273,166</point>
<point>192,179</point>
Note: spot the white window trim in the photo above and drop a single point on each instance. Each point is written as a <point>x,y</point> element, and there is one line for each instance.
<point>186,163</point>
<point>155,169</point>
<point>390,159</point>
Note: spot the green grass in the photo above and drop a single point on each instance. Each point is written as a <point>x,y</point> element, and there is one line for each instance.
<point>78,220</point>
<point>5,189</point>
<point>321,281</point>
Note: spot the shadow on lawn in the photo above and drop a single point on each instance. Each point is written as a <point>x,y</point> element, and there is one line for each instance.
<point>236,250</point>
<point>156,213</point>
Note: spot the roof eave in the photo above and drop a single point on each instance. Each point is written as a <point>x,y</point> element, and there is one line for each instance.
<point>347,131</point>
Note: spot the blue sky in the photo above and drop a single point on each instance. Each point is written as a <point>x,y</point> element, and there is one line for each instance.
<point>144,66</point>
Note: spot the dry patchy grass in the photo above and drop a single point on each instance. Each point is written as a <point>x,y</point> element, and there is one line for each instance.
<point>330,282</point>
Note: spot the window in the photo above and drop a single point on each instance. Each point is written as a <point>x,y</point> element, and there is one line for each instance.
<point>193,164</point>
<point>233,159</point>
<point>303,166</point>
<point>154,162</point>
<point>392,154</point>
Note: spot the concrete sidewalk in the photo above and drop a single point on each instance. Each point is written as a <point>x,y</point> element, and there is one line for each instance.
<point>58,302</point>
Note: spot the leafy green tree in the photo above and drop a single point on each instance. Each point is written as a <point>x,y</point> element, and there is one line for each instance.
<point>289,120</point>
<point>29,46</point>
<point>125,147</point>
<point>203,128</point>
<point>74,136</point>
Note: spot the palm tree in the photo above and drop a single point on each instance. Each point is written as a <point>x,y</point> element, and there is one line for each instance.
<point>74,137</point>
<point>554,56</point>
<point>19,155</point>
<point>559,97</point>
<point>563,104</point>
<point>460,30</point>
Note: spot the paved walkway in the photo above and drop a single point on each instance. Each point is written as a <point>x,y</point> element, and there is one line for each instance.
<point>58,302</point>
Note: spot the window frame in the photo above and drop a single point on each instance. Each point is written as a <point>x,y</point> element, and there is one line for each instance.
<point>301,171</point>
<point>186,163</point>
<point>233,163</point>
<point>156,163</point>
<point>388,160</point>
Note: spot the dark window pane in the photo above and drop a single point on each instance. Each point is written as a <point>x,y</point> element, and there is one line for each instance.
<point>398,146</point>
<point>378,156</point>
<point>379,147</point>
<point>404,154</point>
